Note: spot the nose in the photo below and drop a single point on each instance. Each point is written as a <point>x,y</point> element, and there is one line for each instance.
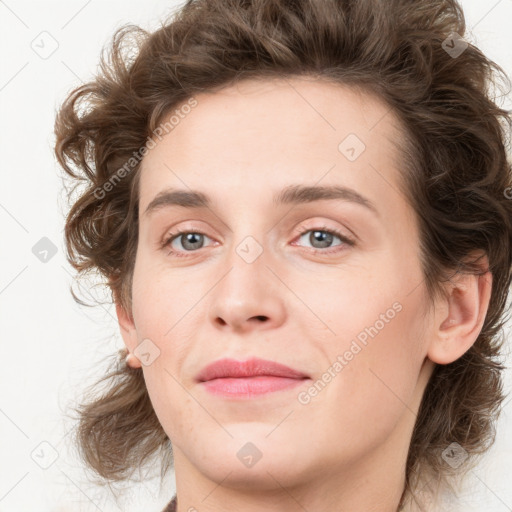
<point>249,296</point>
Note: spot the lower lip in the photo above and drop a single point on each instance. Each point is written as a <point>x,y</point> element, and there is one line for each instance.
<point>249,386</point>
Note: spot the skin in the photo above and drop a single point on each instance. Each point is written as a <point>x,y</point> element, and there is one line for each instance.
<point>345,450</point>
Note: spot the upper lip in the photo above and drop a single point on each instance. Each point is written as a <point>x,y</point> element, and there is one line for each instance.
<point>223,368</point>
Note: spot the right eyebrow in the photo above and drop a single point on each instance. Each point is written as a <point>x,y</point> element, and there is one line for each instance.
<point>184,198</point>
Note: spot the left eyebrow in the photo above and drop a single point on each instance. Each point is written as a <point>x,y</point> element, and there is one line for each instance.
<point>297,194</point>
<point>292,194</point>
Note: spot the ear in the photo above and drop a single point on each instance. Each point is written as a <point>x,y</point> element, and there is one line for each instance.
<point>129,333</point>
<point>460,317</point>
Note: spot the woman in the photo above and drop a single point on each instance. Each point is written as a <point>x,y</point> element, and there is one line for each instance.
<point>303,212</point>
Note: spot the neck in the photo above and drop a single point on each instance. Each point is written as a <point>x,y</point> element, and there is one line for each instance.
<point>370,485</point>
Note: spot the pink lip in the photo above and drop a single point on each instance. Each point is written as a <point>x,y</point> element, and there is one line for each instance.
<point>233,378</point>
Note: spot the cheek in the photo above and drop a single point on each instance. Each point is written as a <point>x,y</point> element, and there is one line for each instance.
<point>378,340</point>
<point>167,310</point>
<point>382,380</point>
<point>169,400</point>
<point>158,298</point>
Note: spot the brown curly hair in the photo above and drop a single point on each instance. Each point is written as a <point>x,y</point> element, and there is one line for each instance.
<point>457,177</point>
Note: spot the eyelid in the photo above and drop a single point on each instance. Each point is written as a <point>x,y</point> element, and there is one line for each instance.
<point>322,226</point>
<point>172,235</point>
<point>184,227</point>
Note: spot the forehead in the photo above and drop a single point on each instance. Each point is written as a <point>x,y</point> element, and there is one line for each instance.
<point>259,136</point>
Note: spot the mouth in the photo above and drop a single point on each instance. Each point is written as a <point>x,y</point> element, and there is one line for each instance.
<point>232,378</point>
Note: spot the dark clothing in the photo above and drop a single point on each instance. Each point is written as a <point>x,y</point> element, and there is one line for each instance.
<point>171,507</point>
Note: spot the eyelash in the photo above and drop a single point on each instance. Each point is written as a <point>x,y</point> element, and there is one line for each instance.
<point>301,231</point>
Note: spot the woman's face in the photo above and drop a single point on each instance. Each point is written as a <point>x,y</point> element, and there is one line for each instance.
<point>326,283</point>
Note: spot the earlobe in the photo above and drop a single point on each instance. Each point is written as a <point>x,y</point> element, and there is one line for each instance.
<point>129,335</point>
<point>462,318</point>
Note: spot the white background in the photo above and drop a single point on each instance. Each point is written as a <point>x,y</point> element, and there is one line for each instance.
<point>50,347</point>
